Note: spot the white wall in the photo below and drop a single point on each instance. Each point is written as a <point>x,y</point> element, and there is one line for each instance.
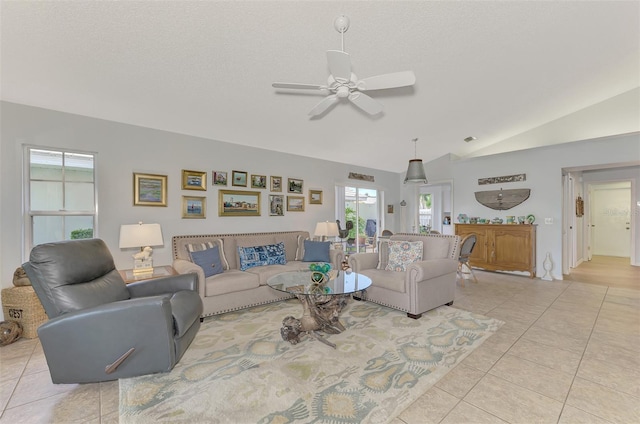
<point>123,149</point>
<point>543,168</point>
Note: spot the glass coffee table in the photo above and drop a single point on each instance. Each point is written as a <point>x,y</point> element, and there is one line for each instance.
<point>321,301</point>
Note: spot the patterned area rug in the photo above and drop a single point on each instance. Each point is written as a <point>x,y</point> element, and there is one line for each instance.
<point>239,370</point>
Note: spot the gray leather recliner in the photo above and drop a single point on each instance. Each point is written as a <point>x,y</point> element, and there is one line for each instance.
<point>101,329</point>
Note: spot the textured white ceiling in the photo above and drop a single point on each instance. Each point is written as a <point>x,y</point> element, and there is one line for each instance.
<point>489,69</point>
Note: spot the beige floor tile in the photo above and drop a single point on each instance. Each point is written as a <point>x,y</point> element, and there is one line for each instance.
<point>12,367</point>
<point>551,357</point>
<point>581,319</point>
<point>622,292</point>
<point>6,390</point>
<point>484,357</point>
<point>538,378</point>
<point>78,406</point>
<point>608,374</point>
<point>553,339</point>
<point>603,351</point>
<point>513,403</point>
<point>460,380</point>
<point>504,338</point>
<point>577,331</point>
<point>36,386</point>
<point>17,349</point>
<point>512,315</point>
<point>466,413</point>
<point>623,341</point>
<point>109,397</point>
<point>577,305</point>
<point>431,407</point>
<point>623,300</point>
<point>604,402</point>
<point>571,415</point>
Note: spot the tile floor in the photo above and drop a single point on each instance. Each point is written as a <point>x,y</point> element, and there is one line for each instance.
<point>569,352</point>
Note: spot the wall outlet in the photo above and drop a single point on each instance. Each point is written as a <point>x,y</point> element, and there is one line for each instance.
<point>548,221</point>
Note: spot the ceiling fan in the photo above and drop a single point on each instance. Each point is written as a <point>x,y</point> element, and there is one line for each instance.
<point>343,84</point>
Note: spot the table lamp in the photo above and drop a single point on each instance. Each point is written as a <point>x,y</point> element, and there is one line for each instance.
<point>326,229</point>
<point>143,236</point>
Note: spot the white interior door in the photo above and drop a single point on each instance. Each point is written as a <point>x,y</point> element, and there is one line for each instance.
<point>611,219</point>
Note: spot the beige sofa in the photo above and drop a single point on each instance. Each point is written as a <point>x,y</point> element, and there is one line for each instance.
<point>234,289</point>
<point>426,284</point>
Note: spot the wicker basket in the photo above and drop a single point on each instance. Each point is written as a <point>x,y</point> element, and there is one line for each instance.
<point>21,304</point>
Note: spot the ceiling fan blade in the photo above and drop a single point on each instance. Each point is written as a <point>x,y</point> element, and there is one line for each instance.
<point>339,64</point>
<point>298,86</point>
<point>325,104</point>
<point>365,103</point>
<point>396,79</point>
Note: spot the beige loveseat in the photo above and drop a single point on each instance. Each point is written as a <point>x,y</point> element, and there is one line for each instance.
<point>234,289</point>
<point>426,283</point>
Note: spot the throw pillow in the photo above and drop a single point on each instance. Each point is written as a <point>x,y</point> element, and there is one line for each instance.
<point>403,253</point>
<point>195,247</point>
<point>208,260</point>
<point>270,254</point>
<point>316,251</point>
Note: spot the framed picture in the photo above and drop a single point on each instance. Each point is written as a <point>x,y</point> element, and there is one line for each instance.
<point>295,186</point>
<point>295,203</point>
<point>276,205</point>
<point>238,203</point>
<point>194,180</point>
<point>315,197</point>
<point>194,207</point>
<point>239,178</point>
<point>276,183</point>
<point>149,190</point>
<point>219,178</point>
<point>258,181</point>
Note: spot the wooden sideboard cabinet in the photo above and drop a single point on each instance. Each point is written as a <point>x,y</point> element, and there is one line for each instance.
<point>502,247</point>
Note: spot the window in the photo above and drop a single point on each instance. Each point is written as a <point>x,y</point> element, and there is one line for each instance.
<point>361,206</point>
<point>60,196</point>
<point>424,212</point>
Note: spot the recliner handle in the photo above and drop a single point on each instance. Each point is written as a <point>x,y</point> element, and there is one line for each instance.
<point>112,367</point>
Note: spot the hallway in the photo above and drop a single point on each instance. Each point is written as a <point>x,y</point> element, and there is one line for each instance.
<point>609,271</point>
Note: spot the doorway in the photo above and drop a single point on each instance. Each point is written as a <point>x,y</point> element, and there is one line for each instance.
<point>361,206</point>
<point>610,219</point>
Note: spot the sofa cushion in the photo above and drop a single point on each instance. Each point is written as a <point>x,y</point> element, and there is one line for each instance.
<point>208,260</point>
<point>403,253</point>
<point>196,247</point>
<point>316,251</point>
<point>437,248</point>
<point>270,254</point>
<point>386,279</point>
<point>229,282</point>
<point>300,247</point>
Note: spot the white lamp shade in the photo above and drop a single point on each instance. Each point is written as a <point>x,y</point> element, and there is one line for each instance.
<point>415,172</point>
<point>140,235</point>
<point>327,229</point>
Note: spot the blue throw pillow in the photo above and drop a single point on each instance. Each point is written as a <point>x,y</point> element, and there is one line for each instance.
<point>208,260</point>
<point>316,251</point>
<point>270,254</point>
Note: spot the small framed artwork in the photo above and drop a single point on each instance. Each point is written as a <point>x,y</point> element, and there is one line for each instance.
<point>276,205</point>
<point>194,207</point>
<point>238,178</point>
<point>315,197</point>
<point>258,181</point>
<point>295,203</point>
<point>295,186</point>
<point>238,203</point>
<point>194,180</point>
<point>276,183</point>
<point>219,178</point>
<point>389,208</point>
<point>149,190</point>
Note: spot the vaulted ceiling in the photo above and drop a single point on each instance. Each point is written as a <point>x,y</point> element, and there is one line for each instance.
<point>491,70</point>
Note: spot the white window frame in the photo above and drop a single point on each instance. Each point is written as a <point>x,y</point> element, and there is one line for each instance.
<point>28,214</point>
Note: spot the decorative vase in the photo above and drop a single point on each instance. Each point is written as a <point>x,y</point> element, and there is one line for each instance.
<point>548,266</point>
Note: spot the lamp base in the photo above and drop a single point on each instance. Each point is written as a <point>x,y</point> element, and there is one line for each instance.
<point>142,266</point>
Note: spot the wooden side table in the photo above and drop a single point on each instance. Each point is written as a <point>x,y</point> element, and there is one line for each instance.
<point>158,272</point>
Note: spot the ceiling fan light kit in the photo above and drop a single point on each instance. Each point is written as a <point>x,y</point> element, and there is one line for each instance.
<point>344,84</point>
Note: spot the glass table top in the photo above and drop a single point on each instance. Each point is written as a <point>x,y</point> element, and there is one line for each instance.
<point>299,282</point>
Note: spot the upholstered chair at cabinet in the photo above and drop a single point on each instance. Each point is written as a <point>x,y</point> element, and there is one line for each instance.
<point>101,329</point>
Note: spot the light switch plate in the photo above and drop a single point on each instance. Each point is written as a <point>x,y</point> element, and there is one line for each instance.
<point>548,221</point>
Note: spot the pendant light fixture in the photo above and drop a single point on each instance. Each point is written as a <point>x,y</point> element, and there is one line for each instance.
<point>415,171</point>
